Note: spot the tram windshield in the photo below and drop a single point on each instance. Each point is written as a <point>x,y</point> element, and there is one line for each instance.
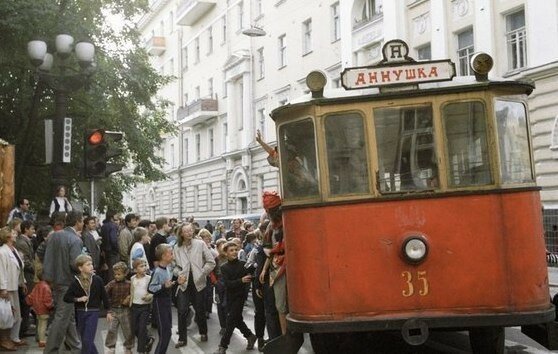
<point>515,159</point>
<point>299,167</point>
<point>406,151</point>
<point>346,154</point>
<point>467,147</point>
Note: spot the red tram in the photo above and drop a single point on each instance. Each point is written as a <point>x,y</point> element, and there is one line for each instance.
<point>410,204</point>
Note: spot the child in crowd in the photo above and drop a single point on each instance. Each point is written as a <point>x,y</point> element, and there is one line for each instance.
<point>140,304</point>
<point>41,302</point>
<point>87,292</point>
<point>220,286</point>
<point>141,239</point>
<point>160,286</point>
<point>118,291</point>
<point>236,278</point>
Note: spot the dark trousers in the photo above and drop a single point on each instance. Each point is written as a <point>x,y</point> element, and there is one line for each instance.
<point>259,313</point>
<point>183,300</point>
<point>221,305</point>
<point>86,324</point>
<point>163,306</point>
<point>271,314</point>
<point>235,305</point>
<point>25,311</point>
<point>208,296</point>
<point>140,317</point>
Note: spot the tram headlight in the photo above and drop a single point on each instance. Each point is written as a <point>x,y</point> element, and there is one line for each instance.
<point>415,249</point>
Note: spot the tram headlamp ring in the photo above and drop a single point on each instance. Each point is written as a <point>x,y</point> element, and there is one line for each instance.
<point>415,249</point>
<point>316,81</point>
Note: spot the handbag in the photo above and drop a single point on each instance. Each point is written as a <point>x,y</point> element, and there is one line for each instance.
<point>6,314</point>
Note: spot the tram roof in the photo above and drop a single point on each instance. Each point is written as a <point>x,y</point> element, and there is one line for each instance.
<point>458,84</point>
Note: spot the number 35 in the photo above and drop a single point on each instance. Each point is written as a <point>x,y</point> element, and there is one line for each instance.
<point>420,277</point>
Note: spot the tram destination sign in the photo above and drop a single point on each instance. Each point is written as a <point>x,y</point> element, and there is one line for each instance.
<point>397,69</point>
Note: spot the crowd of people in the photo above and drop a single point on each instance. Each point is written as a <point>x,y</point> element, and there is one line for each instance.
<point>63,276</point>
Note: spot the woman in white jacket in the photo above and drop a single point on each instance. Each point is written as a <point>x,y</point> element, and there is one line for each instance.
<point>11,278</point>
<point>194,261</point>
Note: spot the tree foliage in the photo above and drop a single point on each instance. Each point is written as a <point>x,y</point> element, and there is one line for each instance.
<point>121,95</point>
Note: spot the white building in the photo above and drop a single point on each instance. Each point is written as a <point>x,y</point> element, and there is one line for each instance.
<point>227,82</point>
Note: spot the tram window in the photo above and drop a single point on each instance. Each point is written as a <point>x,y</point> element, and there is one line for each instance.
<point>513,140</point>
<point>346,154</point>
<point>465,129</point>
<point>297,151</point>
<point>406,151</point>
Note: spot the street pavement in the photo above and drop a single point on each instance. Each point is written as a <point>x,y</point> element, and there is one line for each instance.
<point>457,342</point>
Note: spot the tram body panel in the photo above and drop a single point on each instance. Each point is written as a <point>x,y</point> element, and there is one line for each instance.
<point>479,247</point>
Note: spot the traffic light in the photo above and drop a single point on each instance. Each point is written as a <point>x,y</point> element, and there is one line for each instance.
<point>98,149</point>
<point>113,151</point>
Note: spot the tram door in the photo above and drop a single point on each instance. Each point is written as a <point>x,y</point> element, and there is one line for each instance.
<point>416,159</point>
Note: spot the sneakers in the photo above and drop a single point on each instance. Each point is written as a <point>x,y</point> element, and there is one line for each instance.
<point>251,340</point>
<point>221,350</point>
<point>180,344</point>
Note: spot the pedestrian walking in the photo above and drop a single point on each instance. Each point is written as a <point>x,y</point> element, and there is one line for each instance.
<point>194,262</point>
<point>87,293</point>
<point>236,278</point>
<point>62,248</point>
<point>118,291</point>
<point>140,304</point>
<point>40,300</point>
<point>160,286</point>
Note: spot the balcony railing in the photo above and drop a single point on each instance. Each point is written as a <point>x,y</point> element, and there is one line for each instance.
<point>156,45</point>
<point>198,111</point>
<point>190,11</point>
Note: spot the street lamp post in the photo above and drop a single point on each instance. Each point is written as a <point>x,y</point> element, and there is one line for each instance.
<point>63,79</point>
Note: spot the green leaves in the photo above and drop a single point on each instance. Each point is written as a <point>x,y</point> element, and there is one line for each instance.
<point>121,95</point>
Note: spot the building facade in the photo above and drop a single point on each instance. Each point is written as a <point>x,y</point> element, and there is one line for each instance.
<point>227,82</point>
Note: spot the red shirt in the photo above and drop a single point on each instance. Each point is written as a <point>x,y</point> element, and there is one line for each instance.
<point>40,298</point>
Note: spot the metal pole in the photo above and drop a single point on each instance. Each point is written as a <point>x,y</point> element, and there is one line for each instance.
<point>61,107</point>
<point>92,206</point>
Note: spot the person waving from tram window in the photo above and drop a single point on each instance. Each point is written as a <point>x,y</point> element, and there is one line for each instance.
<point>299,180</point>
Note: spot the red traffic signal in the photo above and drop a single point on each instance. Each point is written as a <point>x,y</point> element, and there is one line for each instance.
<point>96,137</point>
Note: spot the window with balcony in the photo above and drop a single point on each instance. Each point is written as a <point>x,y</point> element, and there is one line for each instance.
<point>261,63</point>
<point>209,40</point>
<point>197,50</point>
<point>516,40</point>
<point>198,147</point>
<point>335,22</point>
<point>307,36</point>
<point>465,50</point>
<point>282,48</point>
